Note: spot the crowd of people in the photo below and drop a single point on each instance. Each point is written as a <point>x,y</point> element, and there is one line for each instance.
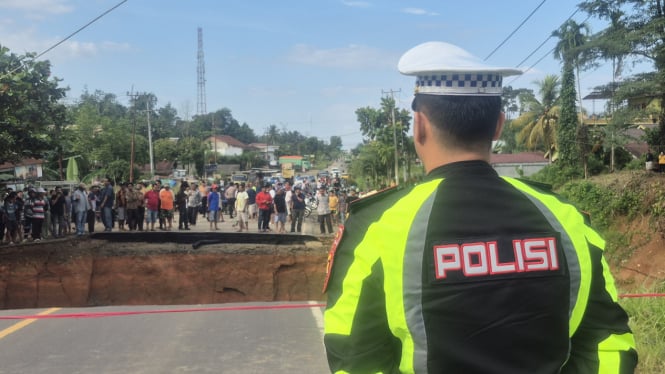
<point>34,214</point>
<point>277,207</point>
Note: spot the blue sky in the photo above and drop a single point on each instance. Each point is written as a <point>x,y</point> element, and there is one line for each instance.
<point>303,65</point>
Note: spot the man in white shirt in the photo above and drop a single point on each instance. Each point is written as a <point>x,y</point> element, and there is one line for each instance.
<point>242,207</point>
<point>288,196</point>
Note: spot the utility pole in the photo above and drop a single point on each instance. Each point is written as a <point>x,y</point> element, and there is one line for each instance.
<point>132,97</point>
<point>152,162</point>
<point>214,137</point>
<point>392,97</point>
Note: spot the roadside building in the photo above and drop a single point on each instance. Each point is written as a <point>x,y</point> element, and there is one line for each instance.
<point>518,165</point>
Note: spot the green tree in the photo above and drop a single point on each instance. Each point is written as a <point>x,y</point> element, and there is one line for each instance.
<point>190,151</point>
<point>572,37</point>
<point>163,123</point>
<point>636,31</point>
<point>220,122</point>
<point>117,171</point>
<point>371,165</point>
<point>335,146</point>
<point>614,134</point>
<point>376,125</point>
<point>102,131</point>
<point>514,102</point>
<point>164,150</point>
<point>567,124</point>
<point>536,127</point>
<point>29,105</point>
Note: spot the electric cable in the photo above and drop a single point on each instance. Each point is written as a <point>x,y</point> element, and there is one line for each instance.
<point>514,31</point>
<point>548,38</point>
<point>68,37</point>
<point>542,58</point>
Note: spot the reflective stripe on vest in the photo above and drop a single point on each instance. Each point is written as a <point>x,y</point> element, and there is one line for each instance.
<point>572,236</point>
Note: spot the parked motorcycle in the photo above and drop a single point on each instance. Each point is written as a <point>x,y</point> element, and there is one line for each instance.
<point>310,204</point>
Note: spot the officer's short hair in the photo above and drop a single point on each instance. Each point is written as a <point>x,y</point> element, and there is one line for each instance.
<point>466,122</point>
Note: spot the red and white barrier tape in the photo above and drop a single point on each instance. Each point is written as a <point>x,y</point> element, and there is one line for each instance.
<point>215,309</point>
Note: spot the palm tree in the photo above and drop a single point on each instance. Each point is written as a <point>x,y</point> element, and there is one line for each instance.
<point>572,37</point>
<point>536,128</point>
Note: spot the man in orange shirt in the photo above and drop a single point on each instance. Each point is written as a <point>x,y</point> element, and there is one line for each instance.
<point>166,208</point>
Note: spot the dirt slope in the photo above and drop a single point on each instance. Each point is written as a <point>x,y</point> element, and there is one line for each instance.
<point>639,260</point>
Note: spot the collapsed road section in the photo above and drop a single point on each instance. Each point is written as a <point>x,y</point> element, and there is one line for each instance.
<point>162,268</point>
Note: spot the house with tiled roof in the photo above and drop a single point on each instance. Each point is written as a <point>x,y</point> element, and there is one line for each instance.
<point>226,145</point>
<point>26,169</point>
<point>518,164</point>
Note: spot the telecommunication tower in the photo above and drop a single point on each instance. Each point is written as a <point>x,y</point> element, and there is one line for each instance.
<point>201,78</point>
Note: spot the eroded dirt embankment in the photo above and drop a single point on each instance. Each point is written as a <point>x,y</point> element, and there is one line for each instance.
<point>159,269</point>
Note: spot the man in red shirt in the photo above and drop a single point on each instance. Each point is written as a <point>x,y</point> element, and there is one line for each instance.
<point>152,206</point>
<point>264,203</point>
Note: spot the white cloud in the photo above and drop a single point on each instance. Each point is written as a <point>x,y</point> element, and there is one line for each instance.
<point>419,12</point>
<point>26,39</point>
<point>35,8</point>
<point>356,4</point>
<point>115,46</point>
<point>351,57</point>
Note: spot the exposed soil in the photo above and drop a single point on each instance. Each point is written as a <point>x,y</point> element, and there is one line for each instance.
<point>643,263</point>
<point>640,262</point>
<point>159,269</point>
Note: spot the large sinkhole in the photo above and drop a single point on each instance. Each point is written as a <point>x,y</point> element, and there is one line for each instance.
<point>162,268</point>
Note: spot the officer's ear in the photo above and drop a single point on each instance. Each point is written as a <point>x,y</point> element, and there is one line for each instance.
<point>420,130</point>
<point>499,126</point>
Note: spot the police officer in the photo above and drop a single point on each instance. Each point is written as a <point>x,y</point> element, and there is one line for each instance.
<point>469,272</point>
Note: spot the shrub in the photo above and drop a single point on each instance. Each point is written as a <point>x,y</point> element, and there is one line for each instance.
<point>557,175</point>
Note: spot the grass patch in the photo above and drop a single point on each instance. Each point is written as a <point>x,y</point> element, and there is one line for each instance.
<point>647,320</point>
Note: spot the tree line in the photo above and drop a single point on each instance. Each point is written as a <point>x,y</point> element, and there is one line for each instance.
<point>105,135</point>
<point>97,128</point>
<point>553,120</point>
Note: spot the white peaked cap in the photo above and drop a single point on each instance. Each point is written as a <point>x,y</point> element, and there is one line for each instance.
<point>446,69</point>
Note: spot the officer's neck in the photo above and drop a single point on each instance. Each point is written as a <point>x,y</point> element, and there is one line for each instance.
<point>439,156</point>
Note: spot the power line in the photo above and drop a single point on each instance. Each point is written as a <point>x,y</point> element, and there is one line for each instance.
<point>80,29</point>
<point>68,37</point>
<point>546,40</point>
<point>531,67</point>
<point>514,31</point>
<point>542,58</point>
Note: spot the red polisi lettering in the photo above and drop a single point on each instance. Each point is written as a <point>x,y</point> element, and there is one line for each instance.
<point>473,268</point>
<point>482,258</point>
<point>535,255</point>
<point>497,267</point>
<point>446,258</point>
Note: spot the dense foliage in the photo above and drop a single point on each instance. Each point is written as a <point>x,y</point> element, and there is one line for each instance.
<point>31,117</point>
<point>387,146</point>
<point>635,33</point>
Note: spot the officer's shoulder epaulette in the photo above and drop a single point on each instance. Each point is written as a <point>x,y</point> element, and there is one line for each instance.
<point>373,198</point>
<point>539,185</point>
